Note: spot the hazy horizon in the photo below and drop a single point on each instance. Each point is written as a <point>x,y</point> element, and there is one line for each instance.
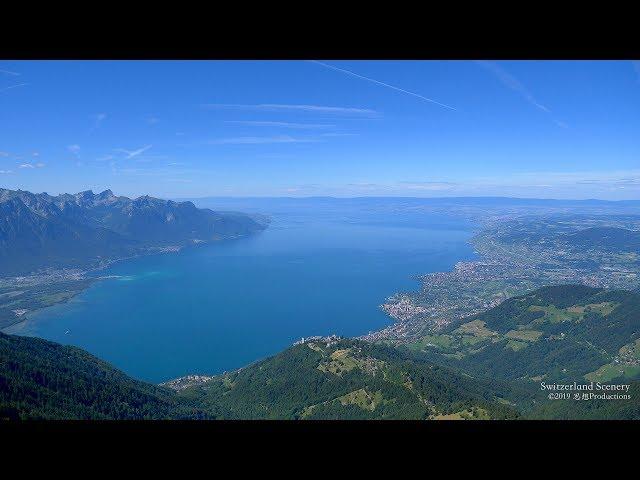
<point>336,197</point>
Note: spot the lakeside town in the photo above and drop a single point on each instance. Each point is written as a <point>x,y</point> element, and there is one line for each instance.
<point>515,257</point>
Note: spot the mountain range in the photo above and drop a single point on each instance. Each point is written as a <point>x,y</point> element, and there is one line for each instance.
<point>86,229</point>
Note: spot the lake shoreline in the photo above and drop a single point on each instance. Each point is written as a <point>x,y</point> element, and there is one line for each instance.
<point>84,276</point>
<point>247,300</point>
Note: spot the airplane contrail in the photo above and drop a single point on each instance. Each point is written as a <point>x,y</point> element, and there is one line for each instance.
<point>514,84</point>
<point>348,72</point>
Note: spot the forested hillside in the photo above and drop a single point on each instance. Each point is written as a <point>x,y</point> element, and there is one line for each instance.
<point>349,379</point>
<point>345,379</point>
<point>44,380</point>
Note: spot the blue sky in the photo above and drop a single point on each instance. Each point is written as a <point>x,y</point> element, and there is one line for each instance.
<point>558,129</point>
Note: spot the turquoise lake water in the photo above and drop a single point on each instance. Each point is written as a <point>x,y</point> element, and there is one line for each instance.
<point>218,307</point>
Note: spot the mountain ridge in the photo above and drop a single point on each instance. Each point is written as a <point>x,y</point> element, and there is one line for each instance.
<point>84,229</point>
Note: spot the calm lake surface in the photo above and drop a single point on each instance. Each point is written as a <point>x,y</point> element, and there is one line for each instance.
<point>213,308</point>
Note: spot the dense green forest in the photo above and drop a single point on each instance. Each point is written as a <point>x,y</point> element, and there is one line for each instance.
<point>44,380</point>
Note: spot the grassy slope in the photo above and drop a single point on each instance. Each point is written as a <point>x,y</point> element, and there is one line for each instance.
<point>347,380</point>
<point>563,333</point>
<point>557,334</point>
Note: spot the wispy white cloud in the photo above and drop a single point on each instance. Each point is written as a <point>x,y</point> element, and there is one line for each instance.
<point>383,84</point>
<point>74,149</point>
<point>428,185</point>
<point>275,156</point>
<point>568,185</point>
<point>31,165</point>
<point>13,86</point>
<point>618,181</point>
<point>9,72</point>
<point>133,153</point>
<point>596,177</point>
<point>98,118</point>
<point>5,171</point>
<point>302,126</point>
<point>559,184</point>
<point>259,140</point>
<point>4,154</point>
<point>320,109</point>
<point>514,84</point>
<point>338,134</point>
